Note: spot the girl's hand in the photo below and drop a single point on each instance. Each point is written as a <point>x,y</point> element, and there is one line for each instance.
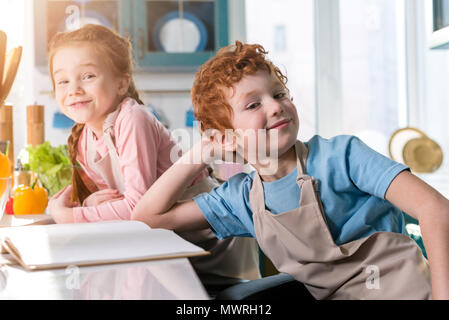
<point>60,206</point>
<point>101,196</point>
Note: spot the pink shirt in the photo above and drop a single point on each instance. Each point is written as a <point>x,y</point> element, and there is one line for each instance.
<point>143,145</point>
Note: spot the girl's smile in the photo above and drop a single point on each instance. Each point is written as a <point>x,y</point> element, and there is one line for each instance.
<point>80,104</point>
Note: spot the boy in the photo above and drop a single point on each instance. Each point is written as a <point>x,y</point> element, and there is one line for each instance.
<point>328,212</point>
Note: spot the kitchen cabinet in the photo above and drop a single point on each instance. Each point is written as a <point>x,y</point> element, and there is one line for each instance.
<point>52,16</point>
<point>178,34</point>
<point>166,34</point>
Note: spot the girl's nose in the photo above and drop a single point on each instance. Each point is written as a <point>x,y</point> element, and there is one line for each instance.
<point>75,88</point>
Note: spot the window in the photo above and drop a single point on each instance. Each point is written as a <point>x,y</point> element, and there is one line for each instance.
<point>285,29</point>
<point>373,69</point>
<point>345,61</point>
<point>440,34</point>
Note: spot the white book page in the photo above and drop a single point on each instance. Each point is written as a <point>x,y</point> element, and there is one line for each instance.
<point>64,244</point>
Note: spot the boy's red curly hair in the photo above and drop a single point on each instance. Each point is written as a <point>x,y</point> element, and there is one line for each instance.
<point>224,70</point>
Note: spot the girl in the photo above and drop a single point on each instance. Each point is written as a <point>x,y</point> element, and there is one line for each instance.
<point>328,212</point>
<point>117,148</point>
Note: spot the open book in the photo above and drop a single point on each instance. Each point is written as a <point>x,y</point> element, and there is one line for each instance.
<point>60,245</point>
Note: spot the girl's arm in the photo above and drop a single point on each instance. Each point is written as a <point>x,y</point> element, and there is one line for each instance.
<point>159,208</point>
<point>138,137</point>
<point>413,196</point>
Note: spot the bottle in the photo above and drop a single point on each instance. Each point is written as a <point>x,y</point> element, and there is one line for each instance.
<point>21,176</point>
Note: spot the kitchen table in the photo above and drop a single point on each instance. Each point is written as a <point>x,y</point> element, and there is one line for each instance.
<point>171,279</point>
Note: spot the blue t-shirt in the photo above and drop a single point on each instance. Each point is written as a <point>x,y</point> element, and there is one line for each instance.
<point>352,182</point>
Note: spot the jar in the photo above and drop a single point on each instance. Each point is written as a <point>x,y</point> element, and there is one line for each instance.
<point>21,176</point>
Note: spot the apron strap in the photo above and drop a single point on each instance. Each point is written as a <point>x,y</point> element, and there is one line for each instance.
<point>301,159</point>
<point>256,195</point>
<point>111,171</point>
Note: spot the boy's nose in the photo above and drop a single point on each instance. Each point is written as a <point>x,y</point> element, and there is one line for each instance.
<point>275,107</point>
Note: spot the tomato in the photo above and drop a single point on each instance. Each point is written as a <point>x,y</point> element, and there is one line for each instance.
<point>8,206</point>
<point>30,201</point>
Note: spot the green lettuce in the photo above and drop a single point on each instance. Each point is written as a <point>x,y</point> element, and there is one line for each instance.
<point>52,165</point>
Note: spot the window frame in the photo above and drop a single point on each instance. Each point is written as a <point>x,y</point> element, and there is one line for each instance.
<point>328,99</point>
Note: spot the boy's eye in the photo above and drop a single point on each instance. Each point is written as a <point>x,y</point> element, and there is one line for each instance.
<point>253,105</point>
<point>280,95</point>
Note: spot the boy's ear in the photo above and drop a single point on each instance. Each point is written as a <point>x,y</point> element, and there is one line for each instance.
<point>229,140</point>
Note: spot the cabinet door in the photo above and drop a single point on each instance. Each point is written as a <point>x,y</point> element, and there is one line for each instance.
<point>178,34</point>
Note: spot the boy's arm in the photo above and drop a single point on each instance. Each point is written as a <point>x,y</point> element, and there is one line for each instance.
<point>431,209</point>
<point>159,208</point>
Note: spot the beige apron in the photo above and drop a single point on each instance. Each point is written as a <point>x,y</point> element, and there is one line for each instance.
<point>234,257</point>
<point>384,265</point>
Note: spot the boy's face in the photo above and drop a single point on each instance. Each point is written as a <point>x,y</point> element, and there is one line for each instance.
<point>263,113</point>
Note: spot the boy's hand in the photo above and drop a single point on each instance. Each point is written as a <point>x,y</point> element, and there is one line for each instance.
<point>216,146</point>
<point>101,196</point>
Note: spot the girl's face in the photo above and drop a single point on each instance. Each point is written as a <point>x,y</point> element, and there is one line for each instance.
<point>86,89</point>
<point>262,108</point>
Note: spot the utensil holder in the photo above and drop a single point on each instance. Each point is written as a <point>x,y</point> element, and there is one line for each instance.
<point>35,125</point>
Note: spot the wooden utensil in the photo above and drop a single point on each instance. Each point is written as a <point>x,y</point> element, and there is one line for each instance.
<point>3,40</point>
<point>10,71</point>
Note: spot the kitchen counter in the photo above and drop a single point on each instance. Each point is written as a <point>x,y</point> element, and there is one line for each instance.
<point>9,220</point>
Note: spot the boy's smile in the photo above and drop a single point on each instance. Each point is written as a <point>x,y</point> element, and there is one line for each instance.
<point>263,110</point>
<point>280,124</point>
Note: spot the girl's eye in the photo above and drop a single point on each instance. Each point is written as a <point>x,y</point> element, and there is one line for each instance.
<point>253,106</point>
<point>61,82</point>
<point>89,76</point>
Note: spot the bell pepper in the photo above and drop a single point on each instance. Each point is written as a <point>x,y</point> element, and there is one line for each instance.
<point>30,200</point>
